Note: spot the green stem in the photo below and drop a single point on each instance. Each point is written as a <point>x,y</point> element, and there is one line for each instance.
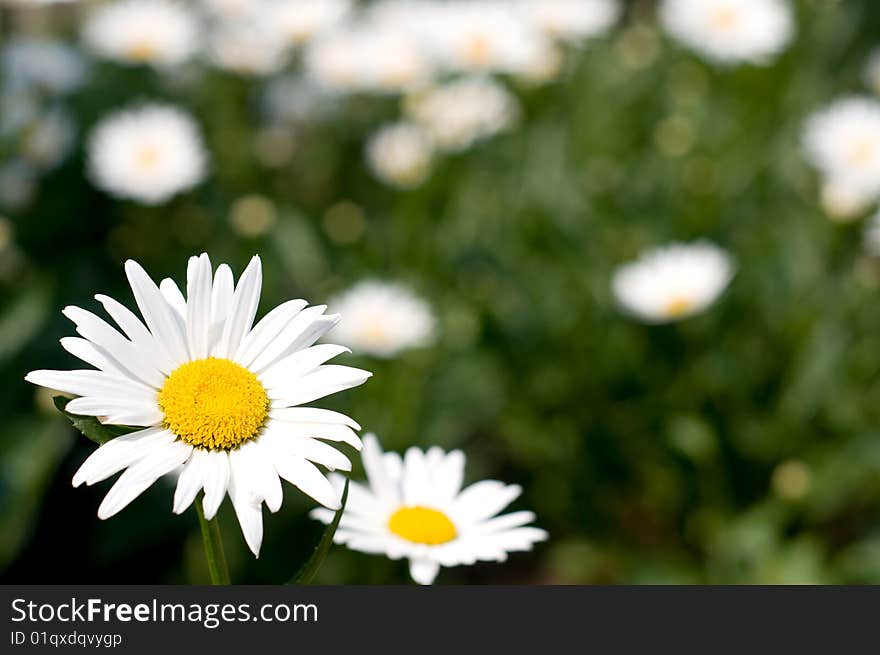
<point>213,546</point>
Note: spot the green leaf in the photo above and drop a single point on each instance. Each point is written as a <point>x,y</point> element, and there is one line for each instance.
<point>308,570</point>
<point>91,426</point>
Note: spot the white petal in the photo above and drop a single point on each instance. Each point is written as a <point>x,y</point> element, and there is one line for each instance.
<point>423,571</point>
<point>505,522</point>
<point>117,412</point>
<point>139,476</point>
<point>312,415</point>
<point>221,293</point>
<point>288,370</point>
<point>102,334</point>
<point>323,381</point>
<point>484,499</point>
<point>174,296</point>
<point>87,382</point>
<point>308,479</point>
<point>92,354</point>
<point>267,330</point>
<point>310,449</point>
<point>296,335</point>
<point>248,509</point>
<point>242,310</point>
<point>252,467</point>
<point>158,314</point>
<point>326,431</point>
<point>416,484</point>
<point>216,477</point>
<point>189,483</point>
<point>382,484</point>
<point>448,476</point>
<point>154,352</point>
<point>118,453</point>
<point>198,306</point>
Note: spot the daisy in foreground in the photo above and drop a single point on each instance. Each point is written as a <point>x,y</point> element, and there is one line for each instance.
<point>209,391</point>
<point>414,507</point>
<point>673,282</point>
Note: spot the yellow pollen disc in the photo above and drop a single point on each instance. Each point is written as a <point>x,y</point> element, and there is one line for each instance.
<point>142,51</point>
<point>478,51</point>
<point>213,403</point>
<point>725,18</point>
<point>678,307</point>
<point>422,525</point>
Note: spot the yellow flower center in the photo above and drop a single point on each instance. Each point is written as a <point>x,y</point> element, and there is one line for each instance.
<point>422,525</point>
<point>213,403</point>
<point>141,51</point>
<point>678,307</point>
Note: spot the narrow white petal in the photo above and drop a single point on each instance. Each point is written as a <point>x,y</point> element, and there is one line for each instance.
<point>448,476</point>
<point>382,484</point>
<point>153,351</point>
<point>484,499</point>
<point>198,306</point>
<point>310,449</point>
<point>267,330</point>
<point>323,381</point>
<point>140,475</point>
<point>326,431</point>
<point>174,296</point>
<point>117,412</point>
<point>118,453</point>
<point>87,382</point>
<point>505,522</point>
<point>416,485</point>
<point>221,293</point>
<point>216,465</point>
<point>93,354</point>
<point>297,331</point>
<point>158,314</point>
<point>251,462</point>
<point>312,415</point>
<point>242,310</point>
<point>189,483</point>
<point>248,508</point>
<point>287,371</point>
<point>423,571</point>
<point>308,479</point>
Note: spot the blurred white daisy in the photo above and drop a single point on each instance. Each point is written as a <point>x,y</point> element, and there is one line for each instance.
<point>844,202</point>
<point>843,142</point>
<point>730,31</point>
<point>369,59</point>
<point>482,36</point>
<point>47,65</point>
<point>571,20</point>
<point>156,32</point>
<point>415,508</point>
<point>400,154</point>
<point>463,111</point>
<point>147,154</point>
<point>382,318</point>
<point>301,20</point>
<point>248,47</point>
<point>231,9</point>
<point>673,282</point>
<point>210,391</point>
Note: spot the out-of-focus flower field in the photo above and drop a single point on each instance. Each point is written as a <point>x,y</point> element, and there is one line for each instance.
<point>740,444</point>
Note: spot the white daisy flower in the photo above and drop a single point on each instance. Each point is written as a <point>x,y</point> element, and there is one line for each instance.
<point>844,202</point>
<point>367,58</point>
<point>157,32</point>
<point>673,282</point>
<point>382,318</point>
<point>400,154</point>
<point>843,142</point>
<point>481,36</point>
<point>414,507</point>
<point>463,111</point>
<point>248,47</point>
<point>148,154</point>
<point>571,20</point>
<point>210,391</point>
<point>301,20</point>
<point>730,31</point>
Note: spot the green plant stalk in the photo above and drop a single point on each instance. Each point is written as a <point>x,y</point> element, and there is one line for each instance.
<point>213,541</point>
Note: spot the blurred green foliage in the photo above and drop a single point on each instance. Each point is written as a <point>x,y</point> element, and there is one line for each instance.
<point>740,446</point>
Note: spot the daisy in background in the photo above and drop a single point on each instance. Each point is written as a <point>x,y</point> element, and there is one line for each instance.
<point>415,507</point>
<point>843,142</point>
<point>844,202</point>
<point>382,319</point>
<point>157,32</point>
<point>210,391</point>
<point>302,20</point>
<point>147,154</point>
<point>400,155</point>
<point>248,46</point>
<point>461,112</point>
<point>571,20</point>
<point>673,282</point>
<point>730,31</point>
